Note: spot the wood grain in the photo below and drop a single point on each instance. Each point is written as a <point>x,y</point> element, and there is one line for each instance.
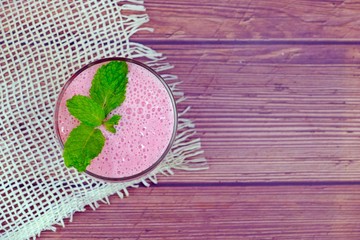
<point>213,20</point>
<point>223,212</point>
<point>272,112</point>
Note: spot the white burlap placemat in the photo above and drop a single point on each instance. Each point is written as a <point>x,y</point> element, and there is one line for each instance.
<point>41,44</point>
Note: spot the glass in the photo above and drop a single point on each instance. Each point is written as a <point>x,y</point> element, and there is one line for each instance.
<point>162,157</point>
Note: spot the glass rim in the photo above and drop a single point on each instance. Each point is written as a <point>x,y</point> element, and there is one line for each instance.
<point>173,103</point>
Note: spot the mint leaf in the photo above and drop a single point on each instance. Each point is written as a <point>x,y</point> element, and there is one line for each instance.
<point>83,144</point>
<point>108,87</point>
<point>86,110</point>
<point>109,124</point>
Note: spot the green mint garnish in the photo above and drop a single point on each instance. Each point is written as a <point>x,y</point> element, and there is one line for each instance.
<point>107,92</point>
<point>84,144</point>
<point>86,110</point>
<point>109,85</point>
<point>109,124</point>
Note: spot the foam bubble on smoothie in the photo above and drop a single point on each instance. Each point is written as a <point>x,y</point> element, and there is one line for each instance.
<point>144,131</point>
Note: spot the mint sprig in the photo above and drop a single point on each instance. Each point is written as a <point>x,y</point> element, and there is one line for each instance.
<point>107,92</point>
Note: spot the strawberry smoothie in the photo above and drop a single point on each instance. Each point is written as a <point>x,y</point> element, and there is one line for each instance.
<point>145,131</point>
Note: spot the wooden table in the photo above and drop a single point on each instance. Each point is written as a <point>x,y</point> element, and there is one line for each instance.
<point>274,87</point>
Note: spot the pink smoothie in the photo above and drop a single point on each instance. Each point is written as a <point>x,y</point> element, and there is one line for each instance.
<point>144,131</point>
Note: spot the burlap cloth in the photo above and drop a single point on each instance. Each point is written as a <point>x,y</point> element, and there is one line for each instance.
<point>41,44</point>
